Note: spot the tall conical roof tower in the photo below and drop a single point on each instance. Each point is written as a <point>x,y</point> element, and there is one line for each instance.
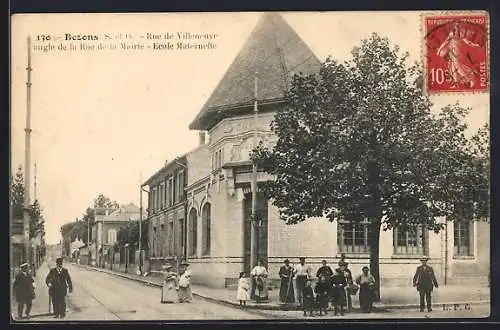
<point>276,52</point>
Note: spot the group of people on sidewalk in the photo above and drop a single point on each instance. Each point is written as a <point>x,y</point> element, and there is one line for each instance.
<point>331,286</point>
<point>58,281</point>
<point>176,286</point>
<point>336,286</point>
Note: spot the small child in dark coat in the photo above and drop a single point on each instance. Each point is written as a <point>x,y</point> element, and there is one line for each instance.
<point>308,298</point>
<point>322,290</point>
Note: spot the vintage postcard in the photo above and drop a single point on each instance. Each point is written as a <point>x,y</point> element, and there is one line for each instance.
<point>257,165</point>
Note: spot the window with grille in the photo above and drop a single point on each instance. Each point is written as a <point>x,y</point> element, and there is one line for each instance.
<point>463,237</point>
<point>112,236</point>
<point>193,232</point>
<point>206,228</point>
<point>353,237</point>
<point>410,241</point>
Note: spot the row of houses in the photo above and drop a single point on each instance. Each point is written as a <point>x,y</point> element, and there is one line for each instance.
<point>199,204</point>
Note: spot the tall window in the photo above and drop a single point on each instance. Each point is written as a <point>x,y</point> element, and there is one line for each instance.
<point>412,241</point>
<point>171,191</point>
<point>353,237</point>
<point>180,237</point>
<point>162,196</point>
<point>217,159</point>
<point>170,238</point>
<point>165,193</point>
<point>155,242</point>
<point>180,186</point>
<point>161,239</point>
<point>205,218</point>
<point>193,232</point>
<point>463,238</point>
<point>112,236</point>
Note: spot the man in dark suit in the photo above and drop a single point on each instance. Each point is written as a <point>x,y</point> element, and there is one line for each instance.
<point>24,291</point>
<point>58,281</point>
<point>425,280</point>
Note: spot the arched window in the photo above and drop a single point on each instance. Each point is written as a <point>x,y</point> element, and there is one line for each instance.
<point>205,218</point>
<point>193,232</point>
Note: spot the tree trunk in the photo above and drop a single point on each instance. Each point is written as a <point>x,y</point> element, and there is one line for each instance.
<point>374,255</point>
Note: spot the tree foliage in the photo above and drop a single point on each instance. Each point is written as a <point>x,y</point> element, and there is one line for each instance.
<point>359,141</point>
<point>17,194</point>
<point>37,222</point>
<point>79,227</point>
<point>130,234</point>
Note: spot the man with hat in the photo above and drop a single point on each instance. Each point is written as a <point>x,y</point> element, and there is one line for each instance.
<point>425,280</point>
<point>59,281</point>
<point>24,291</point>
<point>287,294</point>
<point>302,273</point>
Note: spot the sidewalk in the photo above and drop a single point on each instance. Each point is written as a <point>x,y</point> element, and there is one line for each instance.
<point>40,307</point>
<point>392,297</point>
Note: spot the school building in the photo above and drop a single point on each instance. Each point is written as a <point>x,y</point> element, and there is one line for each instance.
<point>218,192</point>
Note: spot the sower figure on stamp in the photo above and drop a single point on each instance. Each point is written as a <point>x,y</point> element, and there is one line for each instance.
<point>287,294</point>
<point>24,291</point>
<point>59,281</point>
<point>425,280</point>
<point>302,274</point>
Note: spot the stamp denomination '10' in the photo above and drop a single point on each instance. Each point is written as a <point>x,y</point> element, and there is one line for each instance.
<point>456,53</point>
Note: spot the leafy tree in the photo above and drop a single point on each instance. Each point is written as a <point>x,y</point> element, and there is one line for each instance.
<point>358,142</point>
<point>17,194</point>
<point>37,223</point>
<point>130,234</point>
<point>102,201</point>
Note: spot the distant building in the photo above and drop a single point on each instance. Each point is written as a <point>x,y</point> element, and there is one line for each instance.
<point>105,229</point>
<point>166,210</point>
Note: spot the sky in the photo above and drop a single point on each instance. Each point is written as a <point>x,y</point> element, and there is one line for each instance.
<point>104,121</point>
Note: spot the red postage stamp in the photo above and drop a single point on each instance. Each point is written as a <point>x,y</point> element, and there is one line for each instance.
<point>457,56</point>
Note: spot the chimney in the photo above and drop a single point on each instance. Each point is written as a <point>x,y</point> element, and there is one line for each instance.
<point>201,136</point>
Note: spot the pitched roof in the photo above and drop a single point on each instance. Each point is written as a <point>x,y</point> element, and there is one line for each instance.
<point>276,53</point>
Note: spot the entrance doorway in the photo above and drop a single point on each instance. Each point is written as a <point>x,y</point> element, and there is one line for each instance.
<point>261,230</point>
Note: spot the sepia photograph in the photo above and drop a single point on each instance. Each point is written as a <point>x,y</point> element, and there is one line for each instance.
<point>306,166</point>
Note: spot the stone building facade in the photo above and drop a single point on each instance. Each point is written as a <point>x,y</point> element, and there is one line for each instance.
<point>218,204</point>
<point>166,209</point>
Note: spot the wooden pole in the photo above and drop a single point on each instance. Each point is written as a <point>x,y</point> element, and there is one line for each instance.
<point>253,230</point>
<point>140,225</point>
<point>27,162</point>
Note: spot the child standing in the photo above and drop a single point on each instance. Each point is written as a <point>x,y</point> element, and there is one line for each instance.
<point>243,292</point>
<point>322,290</point>
<point>308,298</point>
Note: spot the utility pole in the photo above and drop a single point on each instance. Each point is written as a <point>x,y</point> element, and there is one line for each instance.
<point>140,224</point>
<point>35,239</point>
<point>253,229</point>
<point>27,162</point>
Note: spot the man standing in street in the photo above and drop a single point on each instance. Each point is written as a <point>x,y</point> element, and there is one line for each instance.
<point>302,273</point>
<point>24,291</point>
<point>425,280</point>
<point>58,281</point>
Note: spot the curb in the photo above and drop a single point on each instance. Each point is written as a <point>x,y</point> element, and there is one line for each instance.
<point>377,306</point>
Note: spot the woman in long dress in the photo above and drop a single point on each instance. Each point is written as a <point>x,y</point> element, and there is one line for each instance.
<point>185,295</point>
<point>366,283</point>
<point>259,283</point>
<point>169,287</point>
